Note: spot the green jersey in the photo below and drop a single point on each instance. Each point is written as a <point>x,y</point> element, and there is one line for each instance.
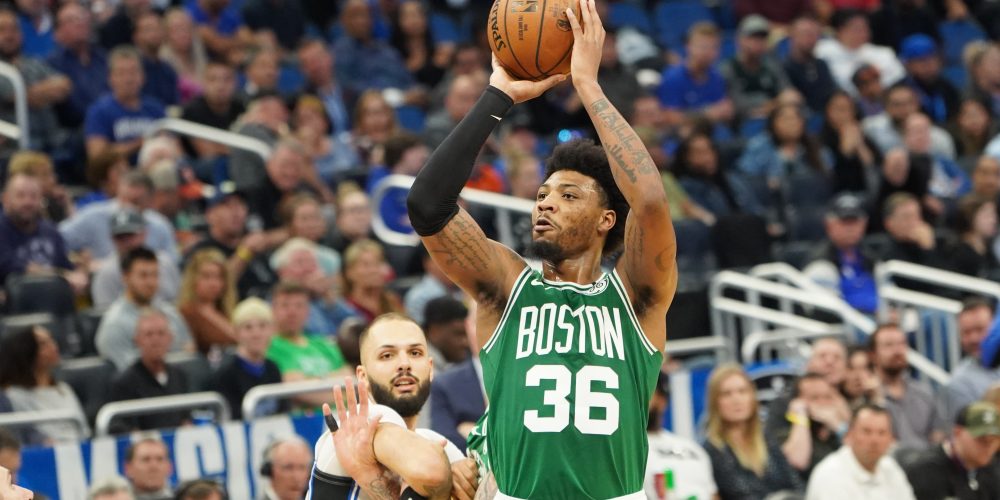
<point>569,374</point>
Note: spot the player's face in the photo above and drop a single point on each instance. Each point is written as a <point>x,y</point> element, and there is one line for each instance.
<point>568,216</point>
<point>394,360</point>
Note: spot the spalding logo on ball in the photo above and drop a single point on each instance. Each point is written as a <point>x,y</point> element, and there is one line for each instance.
<point>532,39</point>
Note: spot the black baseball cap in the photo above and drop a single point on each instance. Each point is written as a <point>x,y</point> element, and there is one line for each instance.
<point>216,195</point>
<point>847,206</point>
<point>127,221</point>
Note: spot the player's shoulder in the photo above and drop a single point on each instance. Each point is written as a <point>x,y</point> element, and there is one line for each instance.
<point>454,454</point>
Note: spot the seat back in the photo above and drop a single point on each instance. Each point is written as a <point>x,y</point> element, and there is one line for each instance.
<point>194,366</point>
<point>91,379</point>
<point>34,293</point>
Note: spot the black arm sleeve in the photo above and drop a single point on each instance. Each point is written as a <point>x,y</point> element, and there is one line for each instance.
<point>325,486</point>
<point>433,199</point>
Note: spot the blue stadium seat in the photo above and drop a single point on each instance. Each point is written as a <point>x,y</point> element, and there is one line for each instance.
<point>727,47</point>
<point>672,20</point>
<point>725,15</point>
<point>624,14</point>
<point>956,74</point>
<point>956,35</point>
<point>781,48</point>
<point>411,118</point>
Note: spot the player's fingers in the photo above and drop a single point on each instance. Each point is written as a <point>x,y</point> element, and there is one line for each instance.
<point>338,401</point>
<point>550,82</point>
<point>352,402</point>
<point>461,488</point>
<point>573,23</point>
<point>588,27</point>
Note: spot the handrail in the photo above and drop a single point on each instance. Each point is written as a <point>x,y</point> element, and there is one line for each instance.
<point>21,132</point>
<point>885,271</point>
<point>755,340</point>
<point>213,134</point>
<point>782,270</point>
<point>161,404</point>
<point>718,345</point>
<point>25,418</point>
<point>500,202</point>
<point>253,397</point>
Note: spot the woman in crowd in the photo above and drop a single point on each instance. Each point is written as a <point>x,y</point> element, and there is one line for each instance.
<point>366,279</point>
<point>696,166</point>
<point>860,383</point>
<point>304,218</point>
<point>746,467</point>
<point>185,52</point>
<point>207,298</point>
<point>312,128</point>
<point>411,36</point>
<point>354,217</point>
<point>855,157</point>
<point>374,122</point>
<point>28,357</point>
<point>982,63</point>
<point>254,326</point>
<point>972,129</point>
<point>976,225</point>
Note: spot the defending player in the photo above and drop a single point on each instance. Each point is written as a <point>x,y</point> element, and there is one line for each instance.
<point>570,355</point>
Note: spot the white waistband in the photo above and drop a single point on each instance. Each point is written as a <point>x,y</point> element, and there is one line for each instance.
<point>639,495</point>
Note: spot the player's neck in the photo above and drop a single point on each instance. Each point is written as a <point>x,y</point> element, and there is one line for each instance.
<point>583,269</point>
<point>411,422</point>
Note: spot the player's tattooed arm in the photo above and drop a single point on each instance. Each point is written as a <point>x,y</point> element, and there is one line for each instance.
<point>383,487</point>
<point>488,488</point>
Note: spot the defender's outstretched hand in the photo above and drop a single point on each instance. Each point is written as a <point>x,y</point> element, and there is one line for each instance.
<point>354,439</point>
<point>520,90</point>
<point>588,43</point>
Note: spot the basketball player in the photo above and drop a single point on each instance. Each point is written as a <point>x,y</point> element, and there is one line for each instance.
<point>570,354</point>
<point>377,448</point>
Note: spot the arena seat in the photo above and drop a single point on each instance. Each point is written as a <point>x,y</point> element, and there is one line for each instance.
<point>194,366</point>
<point>672,19</point>
<point>47,294</point>
<point>622,14</point>
<point>955,35</point>
<point>90,378</point>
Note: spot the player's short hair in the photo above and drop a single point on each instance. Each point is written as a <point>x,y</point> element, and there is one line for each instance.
<point>589,159</point>
<point>363,337</point>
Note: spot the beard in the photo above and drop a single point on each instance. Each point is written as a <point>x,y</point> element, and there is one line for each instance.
<point>405,406</point>
<point>894,370</point>
<point>546,250</point>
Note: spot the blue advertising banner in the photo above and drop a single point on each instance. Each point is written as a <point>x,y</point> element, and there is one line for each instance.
<point>231,453</point>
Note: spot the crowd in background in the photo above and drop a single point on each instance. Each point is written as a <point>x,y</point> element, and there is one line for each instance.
<point>831,134</point>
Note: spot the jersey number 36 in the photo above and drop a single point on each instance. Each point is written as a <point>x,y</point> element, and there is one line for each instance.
<point>584,400</point>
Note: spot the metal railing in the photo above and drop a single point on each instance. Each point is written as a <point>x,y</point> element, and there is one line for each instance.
<point>503,204</point>
<point>254,397</point>
<point>161,404</point>
<point>18,131</point>
<point>26,418</point>
<point>213,134</point>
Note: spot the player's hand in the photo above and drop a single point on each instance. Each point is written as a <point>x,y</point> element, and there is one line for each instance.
<point>588,43</point>
<point>520,90</point>
<point>465,479</point>
<point>355,438</point>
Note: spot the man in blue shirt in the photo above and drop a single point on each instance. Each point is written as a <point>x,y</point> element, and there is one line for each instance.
<point>28,242</point>
<point>85,64</point>
<point>696,86</point>
<point>36,27</point>
<point>120,118</point>
<point>219,25</point>
<point>161,79</point>
<point>854,280</point>
<point>362,61</point>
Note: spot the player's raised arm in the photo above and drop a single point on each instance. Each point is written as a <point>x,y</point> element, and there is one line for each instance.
<point>485,269</point>
<point>648,265</point>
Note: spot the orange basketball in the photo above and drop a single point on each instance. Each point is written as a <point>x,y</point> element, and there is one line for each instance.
<point>532,39</point>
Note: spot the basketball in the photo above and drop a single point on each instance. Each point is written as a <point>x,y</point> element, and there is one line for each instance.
<point>532,39</point>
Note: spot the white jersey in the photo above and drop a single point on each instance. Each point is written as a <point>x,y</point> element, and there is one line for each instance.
<point>689,463</point>
<point>326,451</point>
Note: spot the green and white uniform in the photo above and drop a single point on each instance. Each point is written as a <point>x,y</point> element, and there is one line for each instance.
<point>569,374</point>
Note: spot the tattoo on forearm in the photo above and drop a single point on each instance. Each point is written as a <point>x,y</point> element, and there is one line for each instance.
<point>628,153</point>
<point>383,487</point>
<point>487,489</point>
<point>462,246</point>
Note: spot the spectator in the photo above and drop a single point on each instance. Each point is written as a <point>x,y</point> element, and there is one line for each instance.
<point>412,38</point>
<point>462,95</point>
<point>841,264</point>
<point>986,178</point>
<point>312,130</point>
<point>447,340</point>
<point>374,122</point>
<point>316,63</point>
<point>262,67</point>
<point>28,357</point>
<point>185,52</point>
<point>281,20</point>
<point>150,376</point>
<point>10,490</point>
<point>82,61</point>
<point>813,424</point>
<point>88,228</point>
<point>911,239</point>
<point>973,376</point>
<point>871,93</point>
<point>366,282</point>
<point>807,73</point>
<point>56,199</point>
<point>744,464</point>
<point>458,398</point>
<point>855,157</point>
<point>104,173</point>
<point>226,215</point>
<point>851,48</point>
<point>696,86</point>
<point>254,327</point>
<point>948,181</point>
<point>404,155</point>
<point>354,217</point>
<point>121,118</point>
<point>897,20</point>
<point>110,488</point>
<point>290,459</point>
<point>900,177</point>
<point>916,420</point>
<point>721,191</point>
<point>305,218</point>
<point>266,119</point>
<point>963,467</point>
<point>44,86</point>
<point>207,299</point>
<point>286,173</point>
<point>160,80</point>
<point>433,284</point>
<point>938,98</point>
<point>753,79</point>
<point>779,14</point>
<point>200,489</point>
<point>982,63</point>
<point>860,384</point>
<point>972,129</point>
<point>35,20</point>
<point>886,129</point>
<point>976,225</point>
<point>148,468</point>
<point>298,260</point>
<point>618,80</point>
<point>862,468</point>
<point>128,232</point>
<point>31,244</point>
<point>220,26</point>
<point>363,61</point>
<point>10,455</point>
<point>118,29</point>
<point>299,355</point>
<point>119,324</point>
